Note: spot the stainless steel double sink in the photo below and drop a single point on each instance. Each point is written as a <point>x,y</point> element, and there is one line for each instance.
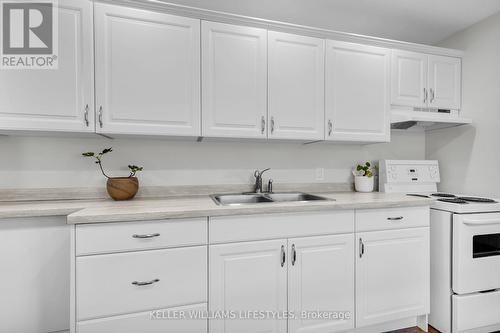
<point>255,198</point>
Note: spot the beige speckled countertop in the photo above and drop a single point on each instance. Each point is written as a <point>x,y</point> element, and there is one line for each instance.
<point>99,211</point>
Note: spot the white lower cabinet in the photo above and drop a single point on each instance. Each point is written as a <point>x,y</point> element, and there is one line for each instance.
<point>392,275</point>
<point>304,277</point>
<point>34,275</point>
<point>247,277</point>
<point>321,280</point>
<point>320,272</point>
<point>151,277</point>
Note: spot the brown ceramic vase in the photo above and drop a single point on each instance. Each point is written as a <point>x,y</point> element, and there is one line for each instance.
<point>122,188</point>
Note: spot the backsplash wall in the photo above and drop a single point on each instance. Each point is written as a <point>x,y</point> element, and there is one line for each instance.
<point>39,162</point>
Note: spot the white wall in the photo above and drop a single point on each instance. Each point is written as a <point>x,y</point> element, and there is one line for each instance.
<point>422,21</point>
<point>57,162</point>
<point>469,156</point>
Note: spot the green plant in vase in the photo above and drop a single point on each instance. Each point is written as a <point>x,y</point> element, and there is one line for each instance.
<point>119,188</point>
<point>365,170</point>
<point>363,177</point>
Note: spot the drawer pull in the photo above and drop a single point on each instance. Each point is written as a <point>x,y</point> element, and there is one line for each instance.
<point>397,218</point>
<point>146,236</point>
<point>145,283</point>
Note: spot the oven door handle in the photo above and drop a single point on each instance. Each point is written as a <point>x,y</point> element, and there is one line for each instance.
<point>481,222</point>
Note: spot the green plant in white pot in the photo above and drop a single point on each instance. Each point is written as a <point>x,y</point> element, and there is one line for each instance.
<point>363,178</point>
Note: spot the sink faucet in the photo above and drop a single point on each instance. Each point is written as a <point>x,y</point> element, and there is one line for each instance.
<point>258,180</point>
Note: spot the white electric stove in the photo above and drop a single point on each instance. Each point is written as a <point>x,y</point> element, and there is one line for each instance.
<point>465,248</point>
<point>464,204</point>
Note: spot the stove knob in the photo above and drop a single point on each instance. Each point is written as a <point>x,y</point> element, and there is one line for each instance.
<point>433,172</point>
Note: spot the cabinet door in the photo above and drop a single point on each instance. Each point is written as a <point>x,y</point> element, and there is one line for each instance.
<point>444,82</point>
<point>248,277</point>
<point>59,99</point>
<point>234,81</point>
<point>147,72</point>
<point>321,279</point>
<point>296,86</point>
<point>357,92</point>
<point>35,275</point>
<point>409,79</point>
<point>392,275</point>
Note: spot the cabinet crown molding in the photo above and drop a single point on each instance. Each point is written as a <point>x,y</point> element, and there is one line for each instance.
<point>211,15</point>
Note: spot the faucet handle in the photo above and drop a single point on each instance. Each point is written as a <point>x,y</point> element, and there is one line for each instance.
<point>258,173</point>
<point>270,186</point>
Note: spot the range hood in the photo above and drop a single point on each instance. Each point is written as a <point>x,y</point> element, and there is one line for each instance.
<point>428,120</point>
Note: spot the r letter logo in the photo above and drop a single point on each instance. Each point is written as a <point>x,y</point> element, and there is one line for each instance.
<point>29,39</point>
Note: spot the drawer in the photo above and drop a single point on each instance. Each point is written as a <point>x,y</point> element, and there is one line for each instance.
<point>476,311</point>
<point>143,322</point>
<point>392,218</point>
<point>105,283</point>
<point>270,226</point>
<point>133,236</point>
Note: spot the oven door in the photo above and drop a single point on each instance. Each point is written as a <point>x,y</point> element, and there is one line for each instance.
<point>476,252</point>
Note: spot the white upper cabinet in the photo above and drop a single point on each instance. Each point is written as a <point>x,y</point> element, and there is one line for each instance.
<point>147,72</point>
<point>409,78</point>
<point>158,74</point>
<point>421,80</point>
<point>296,86</point>
<point>444,82</point>
<point>321,278</point>
<point>392,275</point>
<point>357,92</point>
<point>234,81</point>
<point>248,276</point>
<point>59,100</point>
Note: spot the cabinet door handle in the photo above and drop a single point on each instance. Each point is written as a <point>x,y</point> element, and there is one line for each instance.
<point>283,255</point>
<point>146,236</point>
<point>330,127</point>
<point>432,95</point>
<point>145,283</point>
<point>396,218</point>
<point>262,125</point>
<point>361,248</point>
<point>272,125</point>
<point>425,95</point>
<point>100,116</point>
<point>86,115</point>
<point>294,255</point>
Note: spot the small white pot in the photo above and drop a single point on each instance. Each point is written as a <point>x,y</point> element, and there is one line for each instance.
<point>364,184</point>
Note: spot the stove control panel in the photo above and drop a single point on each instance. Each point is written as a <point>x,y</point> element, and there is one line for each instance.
<point>406,176</point>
